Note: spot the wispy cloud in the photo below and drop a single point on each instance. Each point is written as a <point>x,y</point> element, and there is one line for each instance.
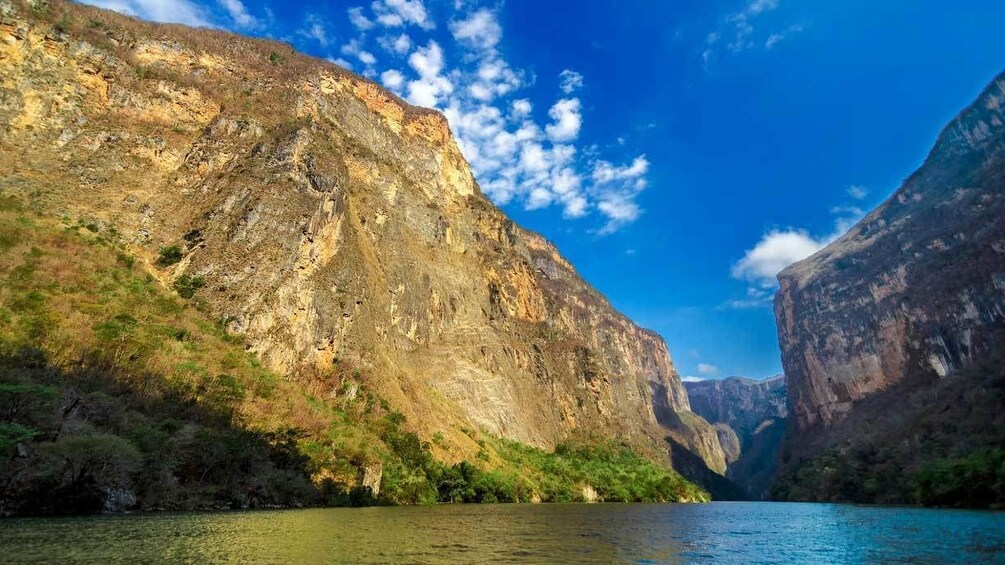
<point>706,369</point>
<point>167,11</point>
<point>741,30</point>
<point>857,192</point>
<point>315,28</point>
<point>570,81</point>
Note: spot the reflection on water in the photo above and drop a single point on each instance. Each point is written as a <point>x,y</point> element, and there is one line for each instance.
<point>708,533</point>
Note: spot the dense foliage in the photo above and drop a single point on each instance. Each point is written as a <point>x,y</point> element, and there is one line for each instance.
<point>116,394</point>
<point>938,443</point>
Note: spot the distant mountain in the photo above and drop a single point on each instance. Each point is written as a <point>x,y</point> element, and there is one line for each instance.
<point>750,417</point>
<point>893,336</point>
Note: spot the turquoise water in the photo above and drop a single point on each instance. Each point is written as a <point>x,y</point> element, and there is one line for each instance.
<point>603,533</point>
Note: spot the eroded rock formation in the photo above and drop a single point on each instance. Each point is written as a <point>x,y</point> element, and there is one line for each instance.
<point>335,228</point>
<point>892,336</point>
<point>750,417</point>
<point>916,289</point>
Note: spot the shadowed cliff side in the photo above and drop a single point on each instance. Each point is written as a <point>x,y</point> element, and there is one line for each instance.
<point>911,300</point>
<point>750,417</point>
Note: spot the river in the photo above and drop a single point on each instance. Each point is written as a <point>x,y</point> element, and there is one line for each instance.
<point>603,533</point>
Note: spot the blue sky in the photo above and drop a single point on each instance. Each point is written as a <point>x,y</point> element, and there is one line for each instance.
<point>679,153</point>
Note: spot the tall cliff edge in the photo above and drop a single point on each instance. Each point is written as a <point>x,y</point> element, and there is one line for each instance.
<point>893,336</point>
<point>335,227</point>
<point>916,289</point>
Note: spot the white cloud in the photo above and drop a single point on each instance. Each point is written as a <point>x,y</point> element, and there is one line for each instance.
<point>355,48</point>
<point>239,14</point>
<point>692,379</point>
<point>706,369</point>
<point>480,30</point>
<point>738,33</point>
<point>431,87</point>
<point>358,20</point>
<point>428,60</point>
<point>755,7</point>
<point>521,108</point>
<point>778,249</point>
<point>567,120</point>
<point>857,192</point>
<point>168,11</point>
<point>399,45</point>
<point>392,79</point>
<point>776,38</point>
<point>316,29</point>
<point>569,81</point>
<point>513,157</point>
<point>341,62</point>
<point>397,13</point>
<point>605,172</point>
<point>616,188</point>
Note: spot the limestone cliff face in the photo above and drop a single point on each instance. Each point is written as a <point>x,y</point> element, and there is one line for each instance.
<point>750,417</point>
<point>335,226</point>
<point>916,290</point>
<point>742,404</point>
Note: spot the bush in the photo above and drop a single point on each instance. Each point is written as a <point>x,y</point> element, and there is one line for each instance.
<point>169,256</point>
<point>187,285</point>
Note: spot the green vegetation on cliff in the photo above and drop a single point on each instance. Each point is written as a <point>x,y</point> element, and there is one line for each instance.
<point>117,394</point>
<point>934,443</point>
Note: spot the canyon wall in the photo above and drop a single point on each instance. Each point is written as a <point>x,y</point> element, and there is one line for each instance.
<point>916,289</point>
<point>750,417</point>
<point>893,336</point>
<point>334,228</point>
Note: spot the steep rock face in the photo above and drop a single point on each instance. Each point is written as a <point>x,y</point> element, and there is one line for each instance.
<point>916,290</point>
<point>335,227</point>
<point>893,336</point>
<point>742,404</point>
<point>750,417</point>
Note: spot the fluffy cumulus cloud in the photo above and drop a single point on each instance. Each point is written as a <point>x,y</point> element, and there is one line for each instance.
<point>239,14</point>
<point>358,20</point>
<point>396,44</point>
<point>392,79</point>
<point>480,29</point>
<point>778,249</point>
<point>315,28</point>
<point>399,13</point>
<point>518,155</point>
<point>566,120</point>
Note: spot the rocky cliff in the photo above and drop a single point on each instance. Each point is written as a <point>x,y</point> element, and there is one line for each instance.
<point>330,224</point>
<point>917,288</point>
<point>740,403</point>
<point>907,301</point>
<point>750,417</point>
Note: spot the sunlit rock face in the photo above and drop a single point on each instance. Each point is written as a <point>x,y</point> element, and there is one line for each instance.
<point>916,290</point>
<point>336,228</point>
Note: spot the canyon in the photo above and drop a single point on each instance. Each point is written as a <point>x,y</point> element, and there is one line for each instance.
<point>750,418</point>
<point>334,228</point>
